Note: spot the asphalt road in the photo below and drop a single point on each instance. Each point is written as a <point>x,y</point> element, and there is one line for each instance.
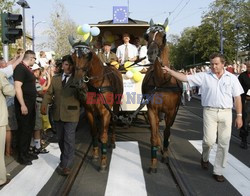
<point>182,176</point>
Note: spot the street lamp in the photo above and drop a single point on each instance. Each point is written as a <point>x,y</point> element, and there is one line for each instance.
<point>237,27</point>
<point>221,34</point>
<point>33,31</point>
<point>24,5</point>
<point>194,48</point>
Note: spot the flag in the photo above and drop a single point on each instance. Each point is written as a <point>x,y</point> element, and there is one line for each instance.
<point>120,14</point>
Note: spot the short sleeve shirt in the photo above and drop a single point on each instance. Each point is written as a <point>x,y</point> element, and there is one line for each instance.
<point>24,75</point>
<point>216,92</point>
<point>7,70</point>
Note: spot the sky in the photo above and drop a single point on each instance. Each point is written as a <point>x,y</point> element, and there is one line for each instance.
<point>181,13</point>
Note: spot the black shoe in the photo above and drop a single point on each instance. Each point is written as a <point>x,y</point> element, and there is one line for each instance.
<point>219,178</point>
<point>243,145</point>
<point>24,161</point>
<point>40,151</point>
<point>31,156</point>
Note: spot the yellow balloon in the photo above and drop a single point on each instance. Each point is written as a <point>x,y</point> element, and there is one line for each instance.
<point>115,64</point>
<point>137,76</point>
<point>110,38</point>
<point>133,69</point>
<point>79,30</point>
<point>167,29</point>
<point>127,64</point>
<point>86,36</point>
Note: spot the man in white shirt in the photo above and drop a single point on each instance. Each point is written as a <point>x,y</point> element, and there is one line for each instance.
<point>8,69</point>
<point>218,88</point>
<point>126,51</point>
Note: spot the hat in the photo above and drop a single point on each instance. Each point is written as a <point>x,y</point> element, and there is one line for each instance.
<point>35,67</point>
<point>106,43</point>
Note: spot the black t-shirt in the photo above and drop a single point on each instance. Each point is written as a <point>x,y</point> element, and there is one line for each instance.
<point>24,75</point>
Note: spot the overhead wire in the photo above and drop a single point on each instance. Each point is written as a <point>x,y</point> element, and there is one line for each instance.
<point>193,13</point>
<point>176,7</point>
<point>180,12</point>
<point>161,13</point>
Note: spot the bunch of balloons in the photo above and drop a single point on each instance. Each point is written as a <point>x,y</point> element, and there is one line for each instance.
<point>85,30</point>
<point>132,73</point>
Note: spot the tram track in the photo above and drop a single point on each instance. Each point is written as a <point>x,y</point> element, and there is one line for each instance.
<point>69,181</point>
<point>173,166</point>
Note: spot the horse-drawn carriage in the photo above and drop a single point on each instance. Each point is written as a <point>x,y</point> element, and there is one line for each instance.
<point>161,92</point>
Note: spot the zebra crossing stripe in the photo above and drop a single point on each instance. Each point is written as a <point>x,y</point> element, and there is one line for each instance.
<point>32,178</point>
<point>125,173</point>
<point>237,173</point>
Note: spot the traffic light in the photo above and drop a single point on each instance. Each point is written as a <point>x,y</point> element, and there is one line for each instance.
<point>10,32</point>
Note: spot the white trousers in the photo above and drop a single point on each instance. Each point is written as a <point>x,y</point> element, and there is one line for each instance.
<point>2,149</point>
<point>216,123</point>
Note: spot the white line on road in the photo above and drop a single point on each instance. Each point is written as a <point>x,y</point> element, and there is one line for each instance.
<point>32,178</point>
<point>125,173</point>
<point>235,172</point>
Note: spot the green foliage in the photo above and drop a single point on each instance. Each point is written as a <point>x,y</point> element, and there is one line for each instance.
<point>230,16</point>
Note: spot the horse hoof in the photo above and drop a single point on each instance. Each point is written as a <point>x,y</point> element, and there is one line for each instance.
<point>103,169</point>
<point>152,170</point>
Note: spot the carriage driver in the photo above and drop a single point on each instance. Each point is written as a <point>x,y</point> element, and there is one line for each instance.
<point>218,87</point>
<point>65,114</point>
<point>126,51</point>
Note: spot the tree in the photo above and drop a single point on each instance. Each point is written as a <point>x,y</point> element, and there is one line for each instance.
<point>244,26</point>
<point>231,17</point>
<point>183,50</point>
<point>61,26</point>
<point>226,16</point>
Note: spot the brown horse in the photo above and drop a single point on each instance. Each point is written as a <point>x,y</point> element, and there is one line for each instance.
<point>162,91</point>
<point>105,88</point>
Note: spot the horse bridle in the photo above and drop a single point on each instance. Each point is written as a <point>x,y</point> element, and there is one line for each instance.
<point>156,29</point>
<point>81,49</point>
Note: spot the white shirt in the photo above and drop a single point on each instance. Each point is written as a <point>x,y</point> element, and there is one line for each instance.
<point>142,54</point>
<point>7,70</point>
<point>63,76</point>
<point>132,52</point>
<point>216,92</point>
<point>43,62</point>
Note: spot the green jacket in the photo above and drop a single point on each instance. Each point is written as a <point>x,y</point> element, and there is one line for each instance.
<point>66,107</point>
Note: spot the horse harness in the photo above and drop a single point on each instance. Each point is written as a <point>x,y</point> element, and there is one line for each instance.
<point>81,49</point>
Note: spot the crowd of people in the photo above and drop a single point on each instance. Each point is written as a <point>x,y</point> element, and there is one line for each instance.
<point>42,89</point>
<point>30,79</point>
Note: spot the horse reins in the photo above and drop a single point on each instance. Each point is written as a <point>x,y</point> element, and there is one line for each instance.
<point>85,79</point>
